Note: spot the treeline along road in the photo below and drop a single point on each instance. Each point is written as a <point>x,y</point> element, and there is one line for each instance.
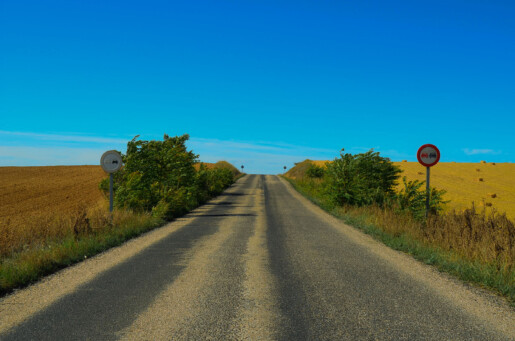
<point>259,262</point>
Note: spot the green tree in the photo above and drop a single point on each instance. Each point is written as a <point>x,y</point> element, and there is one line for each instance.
<point>160,177</point>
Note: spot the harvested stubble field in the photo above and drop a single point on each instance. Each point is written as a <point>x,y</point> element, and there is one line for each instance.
<point>484,183</point>
<point>489,185</point>
<point>39,202</point>
<point>27,193</point>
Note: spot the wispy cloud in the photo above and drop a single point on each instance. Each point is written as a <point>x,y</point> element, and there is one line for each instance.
<point>62,138</point>
<point>48,156</point>
<point>481,151</point>
<point>255,146</point>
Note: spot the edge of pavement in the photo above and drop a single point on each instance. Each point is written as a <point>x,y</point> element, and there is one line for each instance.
<point>482,304</point>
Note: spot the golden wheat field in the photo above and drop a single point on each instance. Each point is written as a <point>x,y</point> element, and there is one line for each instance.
<point>487,184</point>
<point>29,192</point>
<point>484,183</point>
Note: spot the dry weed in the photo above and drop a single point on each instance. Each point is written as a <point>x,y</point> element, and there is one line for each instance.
<point>477,236</point>
<point>488,237</point>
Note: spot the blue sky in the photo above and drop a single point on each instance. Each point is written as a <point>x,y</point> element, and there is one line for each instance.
<point>259,83</point>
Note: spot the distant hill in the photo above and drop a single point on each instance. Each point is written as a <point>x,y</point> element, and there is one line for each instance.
<point>219,164</point>
<point>300,168</point>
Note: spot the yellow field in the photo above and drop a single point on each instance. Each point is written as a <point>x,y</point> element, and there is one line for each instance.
<point>37,203</point>
<point>483,183</point>
<point>29,192</point>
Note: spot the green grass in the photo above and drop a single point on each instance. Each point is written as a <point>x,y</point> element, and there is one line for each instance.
<point>29,265</point>
<point>471,271</point>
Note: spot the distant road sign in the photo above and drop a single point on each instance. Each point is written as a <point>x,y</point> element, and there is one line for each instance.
<point>111,161</point>
<point>428,155</point>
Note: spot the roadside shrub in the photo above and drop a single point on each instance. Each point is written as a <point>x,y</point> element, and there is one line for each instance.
<point>160,177</point>
<point>361,179</point>
<point>315,172</point>
<point>155,171</point>
<point>211,182</point>
<point>412,198</point>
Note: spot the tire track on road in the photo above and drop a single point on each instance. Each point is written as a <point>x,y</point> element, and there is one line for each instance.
<point>259,316</point>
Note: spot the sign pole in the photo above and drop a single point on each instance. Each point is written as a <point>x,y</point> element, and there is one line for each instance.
<point>111,193</point>
<point>428,155</point>
<point>428,191</point>
<point>111,162</point>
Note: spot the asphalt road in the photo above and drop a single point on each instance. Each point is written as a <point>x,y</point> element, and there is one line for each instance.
<point>257,263</point>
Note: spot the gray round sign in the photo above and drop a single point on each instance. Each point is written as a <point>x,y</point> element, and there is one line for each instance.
<point>111,161</point>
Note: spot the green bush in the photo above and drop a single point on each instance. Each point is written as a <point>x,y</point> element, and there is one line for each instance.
<point>211,182</point>
<point>315,172</point>
<point>160,177</point>
<point>412,198</point>
<point>361,179</point>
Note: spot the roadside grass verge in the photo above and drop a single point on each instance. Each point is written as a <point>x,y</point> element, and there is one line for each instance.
<point>482,260</point>
<point>77,240</point>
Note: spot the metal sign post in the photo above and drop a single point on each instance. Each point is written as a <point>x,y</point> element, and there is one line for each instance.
<point>428,156</point>
<point>111,195</point>
<point>111,162</point>
<point>428,190</point>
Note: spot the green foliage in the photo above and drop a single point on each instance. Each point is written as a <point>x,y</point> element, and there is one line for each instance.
<point>361,179</point>
<point>412,198</point>
<point>212,182</point>
<point>315,172</point>
<point>160,177</point>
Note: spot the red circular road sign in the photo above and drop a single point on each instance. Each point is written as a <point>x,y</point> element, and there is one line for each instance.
<point>428,155</point>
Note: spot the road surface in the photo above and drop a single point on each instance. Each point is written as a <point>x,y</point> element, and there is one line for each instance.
<point>257,263</point>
